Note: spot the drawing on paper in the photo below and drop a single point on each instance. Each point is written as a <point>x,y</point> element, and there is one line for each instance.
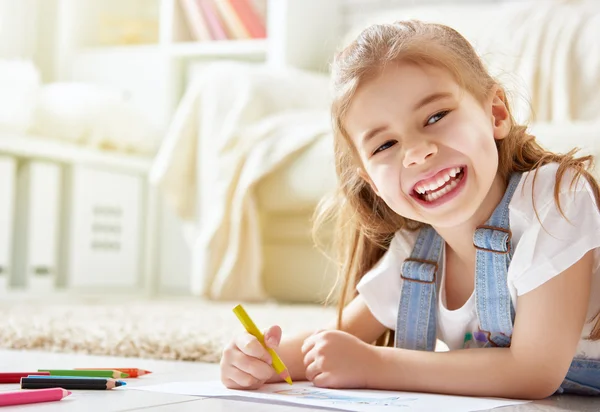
<point>309,393</point>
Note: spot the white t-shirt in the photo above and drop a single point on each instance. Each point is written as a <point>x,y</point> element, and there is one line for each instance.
<point>540,253</point>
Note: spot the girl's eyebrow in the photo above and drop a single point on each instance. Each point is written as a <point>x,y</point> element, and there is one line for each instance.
<point>371,133</point>
<point>431,98</point>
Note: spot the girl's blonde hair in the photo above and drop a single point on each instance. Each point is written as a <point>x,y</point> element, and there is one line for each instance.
<point>365,225</point>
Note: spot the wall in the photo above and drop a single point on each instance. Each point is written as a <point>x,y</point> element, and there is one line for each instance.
<point>353,11</point>
<point>18,28</point>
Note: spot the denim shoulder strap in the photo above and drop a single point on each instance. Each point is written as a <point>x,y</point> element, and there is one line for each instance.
<point>416,322</point>
<point>492,241</point>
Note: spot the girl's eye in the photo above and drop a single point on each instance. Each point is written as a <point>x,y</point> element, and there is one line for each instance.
<point>436,117</point>
<point>384,146</point>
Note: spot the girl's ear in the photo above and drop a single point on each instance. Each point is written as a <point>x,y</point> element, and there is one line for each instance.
<point>364,176</point>
<point>501,121</point>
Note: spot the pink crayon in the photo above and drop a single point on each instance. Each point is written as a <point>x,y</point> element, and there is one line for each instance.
<point>32,396</point>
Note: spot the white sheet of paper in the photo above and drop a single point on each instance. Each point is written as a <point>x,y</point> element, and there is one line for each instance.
<point>304,393</point>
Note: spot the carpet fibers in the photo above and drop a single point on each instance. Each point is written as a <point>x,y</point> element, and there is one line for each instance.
<point>175,329</point>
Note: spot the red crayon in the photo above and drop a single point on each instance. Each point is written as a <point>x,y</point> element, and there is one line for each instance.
<point>32,396</point>
<point>15,377</point>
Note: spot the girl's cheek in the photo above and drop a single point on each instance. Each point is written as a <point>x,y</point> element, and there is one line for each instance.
<point>386,179</point>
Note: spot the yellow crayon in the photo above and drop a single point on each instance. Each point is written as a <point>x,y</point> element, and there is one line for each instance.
<point>251,328</point>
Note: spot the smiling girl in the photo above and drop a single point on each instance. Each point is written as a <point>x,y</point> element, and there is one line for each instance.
<point>453,225</point>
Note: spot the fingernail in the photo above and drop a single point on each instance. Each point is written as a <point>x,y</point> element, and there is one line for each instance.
<point>271,342</point>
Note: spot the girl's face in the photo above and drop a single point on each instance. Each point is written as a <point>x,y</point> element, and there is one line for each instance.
<point>426,144</point>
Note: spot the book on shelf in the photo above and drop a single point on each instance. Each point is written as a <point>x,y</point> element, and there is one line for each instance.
<point>225,19</point>
<point>231,20</point>
<point>250,18</point>
<point>196,24</point>
<point>211,16</point>
<point>260,7</point>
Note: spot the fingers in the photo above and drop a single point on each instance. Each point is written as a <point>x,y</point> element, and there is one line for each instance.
<point>312,370</point>
<point>324,380</point>
<point>308,344</point>
<point>252,366</point>
<point>273,336</point>
<point>238,379</point>
<point>240,366</point>
<point>250,346</point>
<point>309,358</point>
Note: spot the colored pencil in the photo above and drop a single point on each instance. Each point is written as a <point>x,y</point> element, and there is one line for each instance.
<point>15,377</point>
<point>65,377</point>
<point>41,395</point>
<point>94,373</point>
<point>41,382</point>
<point>249,325</point>
<point>132,372</point>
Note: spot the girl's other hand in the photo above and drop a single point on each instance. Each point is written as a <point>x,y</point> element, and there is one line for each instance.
<point>245,363</point>
<point>336,359</point>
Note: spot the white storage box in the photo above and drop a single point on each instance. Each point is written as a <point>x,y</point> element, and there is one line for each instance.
<point>37,229</point>
<point>7,207</point>
<point>103,250</point>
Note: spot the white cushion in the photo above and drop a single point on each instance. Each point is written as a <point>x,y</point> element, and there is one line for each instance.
<point>296,272</point>
<point>562,137</point>
<point>20,84</point>
<point>93,115</point>
<point>300,185</point>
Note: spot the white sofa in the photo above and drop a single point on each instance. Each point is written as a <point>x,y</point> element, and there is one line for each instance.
<point>546,53</point>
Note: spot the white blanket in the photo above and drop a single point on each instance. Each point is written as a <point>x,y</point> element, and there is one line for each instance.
<point>236,124</point>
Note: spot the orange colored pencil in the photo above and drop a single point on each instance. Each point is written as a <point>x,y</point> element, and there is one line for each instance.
<point>132,372</point>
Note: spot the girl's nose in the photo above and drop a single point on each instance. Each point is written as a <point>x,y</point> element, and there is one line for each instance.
<point>419,153</point>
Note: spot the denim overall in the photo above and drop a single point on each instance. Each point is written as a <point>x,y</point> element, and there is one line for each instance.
<point>417,325</point>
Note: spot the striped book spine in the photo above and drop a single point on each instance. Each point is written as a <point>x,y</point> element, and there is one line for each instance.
<point>249,18</point>
<point>233,25</point>
<point>195,20</point>
<point>213,22</point>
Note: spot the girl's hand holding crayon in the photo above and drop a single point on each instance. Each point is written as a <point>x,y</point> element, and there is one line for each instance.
<point>336,359</point>
<point>246,364</point>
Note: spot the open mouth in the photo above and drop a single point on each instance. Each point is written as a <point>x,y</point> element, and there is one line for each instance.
<point>446,182</point>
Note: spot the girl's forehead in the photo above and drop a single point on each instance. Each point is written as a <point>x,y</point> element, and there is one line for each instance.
<point>398,89</point>
<point>407,77</point>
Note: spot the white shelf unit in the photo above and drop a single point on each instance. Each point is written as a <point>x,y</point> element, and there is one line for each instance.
<point>36,238</point>
<point>152,72</point>
<point>239,49</point>
<point>38,147</point>
<point>7,208</point>
<point>105,199</point>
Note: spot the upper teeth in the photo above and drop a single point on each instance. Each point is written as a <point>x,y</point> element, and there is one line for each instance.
<point>441,180</point>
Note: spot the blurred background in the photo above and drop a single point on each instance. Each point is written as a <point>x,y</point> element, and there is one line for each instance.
<point>179,147</point>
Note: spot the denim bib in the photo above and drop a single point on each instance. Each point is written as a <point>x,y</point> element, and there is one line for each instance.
<point>416,324</point>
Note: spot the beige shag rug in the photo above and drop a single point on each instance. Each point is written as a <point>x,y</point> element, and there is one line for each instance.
<point>182,329</point>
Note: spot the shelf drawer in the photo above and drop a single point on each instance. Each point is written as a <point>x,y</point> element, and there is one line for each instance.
<point>37,227</point>
<point>105,219</point>
<point>7,203</point>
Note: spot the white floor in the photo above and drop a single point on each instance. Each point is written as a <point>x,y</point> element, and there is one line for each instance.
<point>113,400</point>
<point>169,371</point>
